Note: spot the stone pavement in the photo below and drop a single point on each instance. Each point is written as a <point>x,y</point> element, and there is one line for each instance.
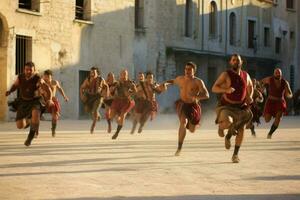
<point>78,165</point>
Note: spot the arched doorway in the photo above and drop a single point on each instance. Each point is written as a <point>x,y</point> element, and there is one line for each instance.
<point>3,66</point>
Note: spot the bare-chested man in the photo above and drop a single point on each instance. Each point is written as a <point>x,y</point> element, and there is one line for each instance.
<point>92,92</point>
<point>55,108</point>
<point>145,101</point>
<point>112,83</point>
<point>192,90</point>
<point>122,102</point>
<point>233,110</point>
<point>278,90</point>
<point>30,100</point>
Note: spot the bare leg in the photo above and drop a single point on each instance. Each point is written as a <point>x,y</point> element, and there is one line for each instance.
<point>34,127</point>
<point>108,119</point>
<point>181,134</point>
<point>224,123</point>
<point>238,142</point>
<point>54,122</point>
<point>192,127</point>
<point>143,120</point>
<point>275,124</point>
<point>111,116</point>
<point>120,122</point>
<point>95,119</point>
<point>136,119</point>
<point>21,123</point>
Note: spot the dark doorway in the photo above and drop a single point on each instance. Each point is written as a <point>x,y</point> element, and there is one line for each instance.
<point>82,76</point>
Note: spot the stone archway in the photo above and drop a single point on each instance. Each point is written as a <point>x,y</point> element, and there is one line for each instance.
<point>3,66</point>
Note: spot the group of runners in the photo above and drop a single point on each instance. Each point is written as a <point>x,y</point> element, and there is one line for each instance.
<point>241,104</point>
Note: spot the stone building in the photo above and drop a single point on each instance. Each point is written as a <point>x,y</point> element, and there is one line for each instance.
<point>70,36</point>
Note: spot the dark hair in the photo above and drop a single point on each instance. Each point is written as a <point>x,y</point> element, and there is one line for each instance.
<point>95,68</point>
<point>48,72</point>
<point>193,65</point>
<point>149,73</point>
<point>29,64</point>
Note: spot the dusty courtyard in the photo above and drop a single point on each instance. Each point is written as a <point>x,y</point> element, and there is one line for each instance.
<point>78,165</point>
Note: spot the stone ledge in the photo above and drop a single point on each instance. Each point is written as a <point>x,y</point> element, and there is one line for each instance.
<point>83,21</point>
<point>30,12</point>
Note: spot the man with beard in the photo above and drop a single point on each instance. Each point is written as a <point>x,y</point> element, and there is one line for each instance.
<point>192,90</point>
<point>55,108</point>
<point>122,102</point>
<point>278,89</point>
<point>145,101</point>
<point>92,92</point>
<point>233,111</point>
<point>29,100</point>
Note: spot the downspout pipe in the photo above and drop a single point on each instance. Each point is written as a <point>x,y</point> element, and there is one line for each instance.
<point>202,27</point>
<point>226,29</point>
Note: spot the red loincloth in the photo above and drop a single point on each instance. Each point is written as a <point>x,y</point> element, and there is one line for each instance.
<point>273,106</point>
<point>192,111</point>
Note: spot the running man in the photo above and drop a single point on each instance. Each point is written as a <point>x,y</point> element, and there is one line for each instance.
<point>92,92</point>
<point>278,90</point>
<point>192,91</point>
<point>30,99</point>
<point>233,110</point>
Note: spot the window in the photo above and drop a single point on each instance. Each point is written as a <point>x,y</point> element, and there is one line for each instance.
<point>292,35</point>
<point>277,45</point>
<point>232,29</point>
<point>139,14</point>
<point>188,18</point>
<point>267,37</point>
<point>82,76</point>
<point>290,4</point>
<point>83,10</point>
<point>213,19</point>
<point>292,77</point>
<point>251,34</point>
<point>23,52</point>
<point>33,5</point>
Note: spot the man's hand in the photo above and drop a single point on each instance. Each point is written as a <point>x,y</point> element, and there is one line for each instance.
<point>249,100</point>
<point>7,93</point>
<point>229,90</point>
<point>66,98</point>
<point>50,103</point>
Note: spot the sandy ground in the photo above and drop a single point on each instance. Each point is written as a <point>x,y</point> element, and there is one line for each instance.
<point>78,165</point>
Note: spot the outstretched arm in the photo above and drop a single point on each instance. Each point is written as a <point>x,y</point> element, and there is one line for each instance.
<point>203,93</point>
<point>105,89</point>
<point>266,81</point>
<point>249,94</point>
<point>159,88</point>
<point>288,91</point>
<point>133,87</point>
<point>60,89</point>
<point>13,88</point>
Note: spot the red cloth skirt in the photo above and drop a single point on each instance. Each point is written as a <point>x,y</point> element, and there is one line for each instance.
<point>192,111</point>
<point>273,106</point>
<point>122,105</point>
<point>55,107</point>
